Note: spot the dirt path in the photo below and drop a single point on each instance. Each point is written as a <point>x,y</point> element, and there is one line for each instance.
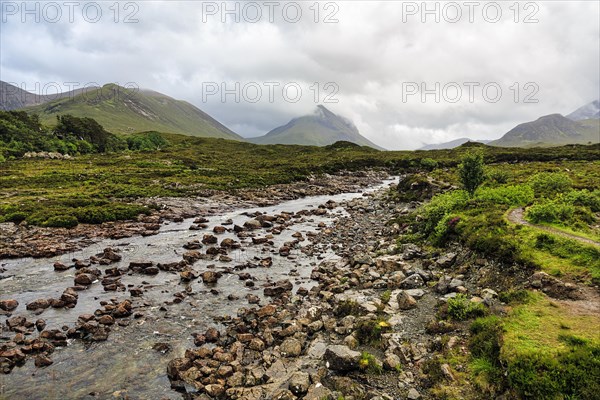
<point>516,216</point>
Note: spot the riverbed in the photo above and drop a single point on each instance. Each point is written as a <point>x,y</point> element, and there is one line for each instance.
<point>132,362</point>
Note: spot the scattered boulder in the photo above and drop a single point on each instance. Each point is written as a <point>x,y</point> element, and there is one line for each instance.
<point>210,276</point>
<point>299,383</point>
<point>8,305</point>
<point>447,260</point>
<point>291,347</point>
<point>39,304</point>
<point>406,301</point>
<point>252,224</point>
<point>414,281</point>
<point>341,358</point>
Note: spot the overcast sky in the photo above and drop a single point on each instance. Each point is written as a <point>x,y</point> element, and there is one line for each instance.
<point>371,58</point>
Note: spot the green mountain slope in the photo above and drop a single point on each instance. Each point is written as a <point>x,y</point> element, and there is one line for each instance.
<point>551,130</point>
<point>321,128</point>
<point>122,110</point>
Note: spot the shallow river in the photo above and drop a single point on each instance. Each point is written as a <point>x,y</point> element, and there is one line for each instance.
<point>126,366</point>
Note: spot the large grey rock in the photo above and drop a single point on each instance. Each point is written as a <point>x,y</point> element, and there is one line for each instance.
<point>446,260</point>
<point>341,358</point>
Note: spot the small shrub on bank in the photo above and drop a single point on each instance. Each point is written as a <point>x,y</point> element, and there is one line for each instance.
<point>369,363</point>
<point>517,296</point>
<point>461,308</point>
<point>369,332</point>
<point>485,344</point>
<point>347,307</point>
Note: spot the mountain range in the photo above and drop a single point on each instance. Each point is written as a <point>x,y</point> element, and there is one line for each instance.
<point>579,127</point>
<point>122,110</point>
<point>321,128</point>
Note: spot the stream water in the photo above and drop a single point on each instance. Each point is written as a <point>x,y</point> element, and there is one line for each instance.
<point>126,365</point>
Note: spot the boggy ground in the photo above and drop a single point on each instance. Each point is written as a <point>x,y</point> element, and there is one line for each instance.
<point>367,330</point>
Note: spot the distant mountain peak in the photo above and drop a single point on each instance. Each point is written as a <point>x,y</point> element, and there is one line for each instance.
<point>550,130</point>
<point>588,111</point>
<point>320,128</point>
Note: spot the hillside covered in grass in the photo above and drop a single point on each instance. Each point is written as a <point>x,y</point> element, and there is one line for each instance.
<point>124,110</point>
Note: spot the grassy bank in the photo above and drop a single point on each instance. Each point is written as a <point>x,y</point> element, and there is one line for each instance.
<point>536,347</point>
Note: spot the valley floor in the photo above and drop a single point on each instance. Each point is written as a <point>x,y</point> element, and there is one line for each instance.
<point>313,302</point>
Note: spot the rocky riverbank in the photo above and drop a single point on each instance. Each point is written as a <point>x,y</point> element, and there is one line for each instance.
<point>367,330</point>
<point>23,240</point>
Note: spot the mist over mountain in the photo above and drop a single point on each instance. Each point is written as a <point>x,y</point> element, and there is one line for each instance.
<point>588,111</point>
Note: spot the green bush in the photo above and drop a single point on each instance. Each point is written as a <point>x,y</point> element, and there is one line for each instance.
<point>550,212</point>
<point>584,198</point>
<point>461,308</point>
<point>488,233</point>
<point>61,221</point>
<point>369,363</point>
<point>440,206</point>
<point>574,373</point>
<point>445,229</point>
<point>497,176</point>
<point>429,164</point>
<point>514,296</point>
<point>517,195</point>
<point>548,184</point>
<point>485,338</point>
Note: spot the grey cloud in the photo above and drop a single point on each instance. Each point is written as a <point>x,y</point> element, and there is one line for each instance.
<point>368,54</point>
